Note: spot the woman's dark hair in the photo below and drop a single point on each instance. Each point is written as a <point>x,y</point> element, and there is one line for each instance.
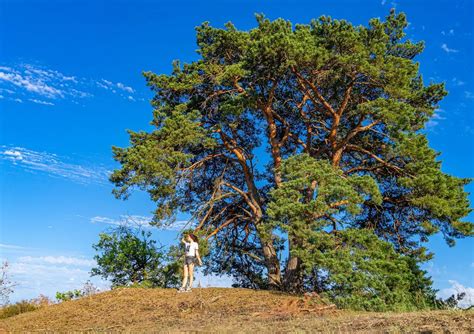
<point>194,237</point>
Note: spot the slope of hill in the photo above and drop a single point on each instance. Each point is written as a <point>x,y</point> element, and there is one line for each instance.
<point>229,310</point>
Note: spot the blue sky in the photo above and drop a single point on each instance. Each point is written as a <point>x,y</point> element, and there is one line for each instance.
<point>71,84</point>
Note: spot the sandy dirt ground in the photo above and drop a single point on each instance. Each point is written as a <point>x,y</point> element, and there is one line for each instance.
<point>134,310</point>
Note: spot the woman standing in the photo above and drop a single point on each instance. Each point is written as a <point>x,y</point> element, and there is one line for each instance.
<point>191,255</point>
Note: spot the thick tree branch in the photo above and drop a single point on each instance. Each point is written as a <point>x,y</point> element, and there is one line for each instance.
<point>374,156</point>
<point>303,82</point>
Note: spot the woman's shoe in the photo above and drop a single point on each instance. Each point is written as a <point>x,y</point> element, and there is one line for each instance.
<point>181,289</point>
<point>188,289</point>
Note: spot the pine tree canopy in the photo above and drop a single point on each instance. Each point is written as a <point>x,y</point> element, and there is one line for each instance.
<point>307,138</point>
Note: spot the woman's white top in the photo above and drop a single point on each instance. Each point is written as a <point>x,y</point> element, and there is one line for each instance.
<point>191,248</point>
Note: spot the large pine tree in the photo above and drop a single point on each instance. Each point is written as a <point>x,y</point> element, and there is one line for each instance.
<point>305,138</point>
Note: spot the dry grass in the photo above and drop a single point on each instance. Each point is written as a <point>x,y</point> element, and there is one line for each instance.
<point>223,310</point>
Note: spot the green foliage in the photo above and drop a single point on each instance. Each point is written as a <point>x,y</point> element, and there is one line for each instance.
<point>311,189</point>
<point>130,257</point>
<point>352,267</point>
<point>68,295</point>
<point>357,270</point>
<point>299,129</point>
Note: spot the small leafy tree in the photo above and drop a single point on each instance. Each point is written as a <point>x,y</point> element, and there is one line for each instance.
<point>129,256</point>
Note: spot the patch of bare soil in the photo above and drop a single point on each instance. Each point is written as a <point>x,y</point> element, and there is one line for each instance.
<point>223,310</point>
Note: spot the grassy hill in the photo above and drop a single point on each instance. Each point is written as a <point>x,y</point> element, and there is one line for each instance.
<point>229,310</point>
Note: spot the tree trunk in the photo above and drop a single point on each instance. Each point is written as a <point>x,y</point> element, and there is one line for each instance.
<point>293,280</point>
<point>272,263</point>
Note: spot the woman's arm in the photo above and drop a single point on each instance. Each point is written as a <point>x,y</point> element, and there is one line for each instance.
<point>182,240</point>
<point>198,257</point>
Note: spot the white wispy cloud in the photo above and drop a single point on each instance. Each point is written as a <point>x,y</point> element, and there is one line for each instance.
<point>64,260</point>
<point>135,220</point>
<point>41,102</point>
<point>6,246</point>
<point>46,275</point>
<point>457,288</point>
<point>138,221</point>
<point>468,94</point>
<point>435,119</point>
<point>14,250</point>
<point>49,73</point>
<point>114,86</point>
<point>457,82</point>
<point>52,165</point>
<point>41,85</point>
<point>125,88</point>
<point>30,83</point>
<point>445,48</point>
<point>450,32</point>
<point>5,90</point>
<point>35,84</point>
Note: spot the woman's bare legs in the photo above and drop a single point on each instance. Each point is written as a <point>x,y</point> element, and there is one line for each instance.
<point>191,274</point>
<point>185,276</point>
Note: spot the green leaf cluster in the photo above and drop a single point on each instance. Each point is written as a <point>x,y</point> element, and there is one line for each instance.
<point>128,257</point>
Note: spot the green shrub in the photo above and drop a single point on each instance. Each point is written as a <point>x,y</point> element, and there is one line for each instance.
<point>68,295</point>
